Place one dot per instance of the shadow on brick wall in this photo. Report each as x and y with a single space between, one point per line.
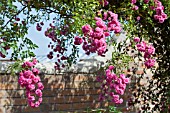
66 92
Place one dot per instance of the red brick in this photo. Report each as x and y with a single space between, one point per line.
80 92
64 92
87 98
106 104
8 78
11 93
13 109
45 100
61 107
57 99
95 104
29 109
94 91
81 105
46 108
57 85
49 92
73 99
19 101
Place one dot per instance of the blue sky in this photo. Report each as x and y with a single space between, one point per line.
39 38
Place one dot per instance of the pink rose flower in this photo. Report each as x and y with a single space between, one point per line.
119 102
106 2
21 74
29 64
35 71
141 47
118 80
78 40
146 1
38 92
135 7
31 104
136 39
108 72
40 86
86 29
105 15
27 73
36 79
31 86
126 80
37 104
34 61
40 100
164 16
150 49
161 20
133 1
150 63
101 24
122 76
28 93
122 86
106 34
111 67
31 98
138 18
111 94
147 55
98 19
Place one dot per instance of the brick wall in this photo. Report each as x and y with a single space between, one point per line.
66 92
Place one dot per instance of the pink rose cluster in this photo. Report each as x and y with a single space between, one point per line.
148 50
56 47
78 40
135 7
113 86
160 15
94 39
159 8
29 79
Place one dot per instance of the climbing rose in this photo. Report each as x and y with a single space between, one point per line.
113 82
29 79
